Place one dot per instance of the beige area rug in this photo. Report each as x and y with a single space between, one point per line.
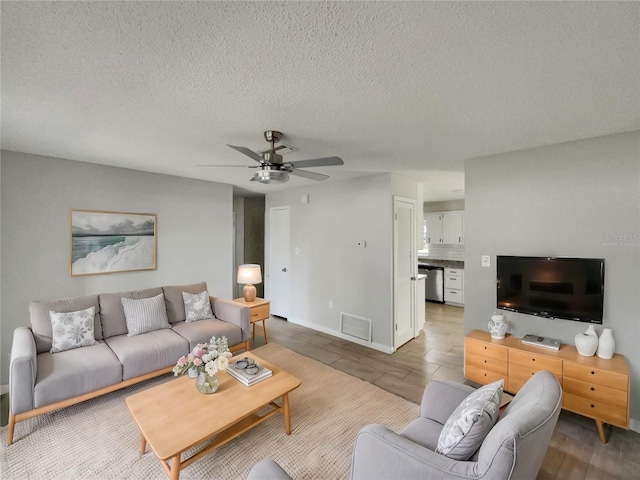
98 438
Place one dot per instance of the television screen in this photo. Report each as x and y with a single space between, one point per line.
568 288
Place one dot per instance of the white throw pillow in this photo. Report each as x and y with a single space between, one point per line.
196 306
465 429
145 314
72 329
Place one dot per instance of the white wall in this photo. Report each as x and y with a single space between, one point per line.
194 231
577 199
329 265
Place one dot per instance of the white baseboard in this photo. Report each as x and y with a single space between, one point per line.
4 388
336 333
634 425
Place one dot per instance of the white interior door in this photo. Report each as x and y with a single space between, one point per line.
279 261
404 269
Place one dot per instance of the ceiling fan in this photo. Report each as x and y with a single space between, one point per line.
272 169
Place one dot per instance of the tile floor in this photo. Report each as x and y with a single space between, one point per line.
575 451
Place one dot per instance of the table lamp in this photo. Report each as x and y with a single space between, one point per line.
249 274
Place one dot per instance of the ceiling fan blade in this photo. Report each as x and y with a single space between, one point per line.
310 175
225 166
318 162
249 153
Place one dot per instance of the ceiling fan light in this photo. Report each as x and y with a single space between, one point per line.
270 176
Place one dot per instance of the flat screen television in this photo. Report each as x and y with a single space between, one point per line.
552 287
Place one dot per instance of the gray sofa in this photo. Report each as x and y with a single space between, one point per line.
40 381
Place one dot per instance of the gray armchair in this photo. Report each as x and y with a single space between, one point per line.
513 449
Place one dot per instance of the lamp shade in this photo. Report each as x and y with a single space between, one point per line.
249 274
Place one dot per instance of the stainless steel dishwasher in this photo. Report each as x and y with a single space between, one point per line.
434 284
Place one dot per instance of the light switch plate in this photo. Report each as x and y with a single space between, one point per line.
486 260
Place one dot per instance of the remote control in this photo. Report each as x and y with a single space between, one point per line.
545 342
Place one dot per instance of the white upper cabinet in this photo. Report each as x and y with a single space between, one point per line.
453 228
434 228
445 228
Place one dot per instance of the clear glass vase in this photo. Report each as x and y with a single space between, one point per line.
206 383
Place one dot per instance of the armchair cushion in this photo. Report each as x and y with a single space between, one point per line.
470 422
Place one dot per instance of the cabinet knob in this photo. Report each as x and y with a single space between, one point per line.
593 389
593 406
592 372
533 359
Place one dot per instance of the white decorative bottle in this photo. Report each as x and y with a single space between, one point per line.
606 344
498 326
587 342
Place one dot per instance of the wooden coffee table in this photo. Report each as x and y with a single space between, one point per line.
174 416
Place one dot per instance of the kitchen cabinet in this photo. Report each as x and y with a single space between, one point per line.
434 227
453 228
592 387
445 228
454 286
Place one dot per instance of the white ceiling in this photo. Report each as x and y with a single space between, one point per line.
411 87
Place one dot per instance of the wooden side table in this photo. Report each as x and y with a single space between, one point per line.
259 311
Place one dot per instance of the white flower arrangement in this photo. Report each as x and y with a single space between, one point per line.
205 357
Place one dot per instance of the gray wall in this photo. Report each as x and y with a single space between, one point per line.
578 199
194 231
329 265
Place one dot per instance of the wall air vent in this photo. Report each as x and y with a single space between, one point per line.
355 326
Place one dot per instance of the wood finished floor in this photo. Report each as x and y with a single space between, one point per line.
575 451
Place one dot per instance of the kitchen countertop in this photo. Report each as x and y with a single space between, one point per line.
433 262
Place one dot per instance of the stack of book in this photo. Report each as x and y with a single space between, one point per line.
243 377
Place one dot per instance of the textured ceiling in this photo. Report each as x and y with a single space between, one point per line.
388 86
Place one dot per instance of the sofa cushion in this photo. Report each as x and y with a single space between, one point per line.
202 331
145 314
112 311
175 302
148 352
75 372
41 320
72 329
197 306
470 422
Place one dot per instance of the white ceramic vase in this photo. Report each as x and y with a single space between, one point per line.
606 344
587 342
498 326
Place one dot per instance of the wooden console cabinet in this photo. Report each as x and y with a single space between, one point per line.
592 386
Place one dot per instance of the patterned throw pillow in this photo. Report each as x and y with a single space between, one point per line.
145 314
72 329
196 306
465 429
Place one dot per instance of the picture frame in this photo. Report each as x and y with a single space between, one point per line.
103 241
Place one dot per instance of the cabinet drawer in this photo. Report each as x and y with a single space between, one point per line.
536 362
486 349
454 271
595 375
452 281
526 372
592 391
595 409
481 376
453 296
486 363
259 313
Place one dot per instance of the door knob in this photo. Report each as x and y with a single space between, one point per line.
413 278
284 269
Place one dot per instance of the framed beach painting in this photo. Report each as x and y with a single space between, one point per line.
109 242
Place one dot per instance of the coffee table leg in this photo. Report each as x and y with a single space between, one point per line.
286 413
143 444
175 468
